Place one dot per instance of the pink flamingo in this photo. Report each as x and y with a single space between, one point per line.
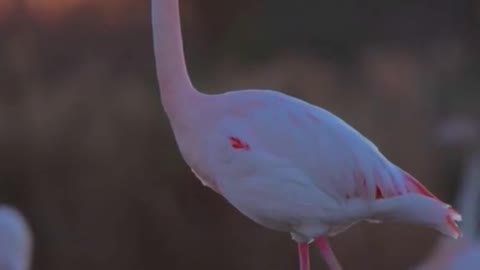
284 163
16 240
460 132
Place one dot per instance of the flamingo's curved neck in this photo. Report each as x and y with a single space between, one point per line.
175 85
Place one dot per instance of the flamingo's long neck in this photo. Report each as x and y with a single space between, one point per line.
176 88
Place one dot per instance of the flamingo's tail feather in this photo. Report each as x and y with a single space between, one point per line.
419 209
413 185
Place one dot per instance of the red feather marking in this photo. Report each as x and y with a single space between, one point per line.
239 144
453 226
414 186
378 194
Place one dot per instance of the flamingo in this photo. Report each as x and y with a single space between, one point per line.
15 240
460 133
284 163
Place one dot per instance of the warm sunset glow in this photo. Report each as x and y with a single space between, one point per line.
55 10
51 9
6 8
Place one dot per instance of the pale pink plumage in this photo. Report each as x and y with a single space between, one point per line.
16 240
284 163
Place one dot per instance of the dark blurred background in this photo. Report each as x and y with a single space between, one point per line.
87 154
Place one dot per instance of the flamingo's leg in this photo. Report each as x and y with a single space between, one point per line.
324 247
304 256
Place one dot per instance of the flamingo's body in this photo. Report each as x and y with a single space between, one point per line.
284 163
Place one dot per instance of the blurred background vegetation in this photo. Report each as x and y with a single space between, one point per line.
87 154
